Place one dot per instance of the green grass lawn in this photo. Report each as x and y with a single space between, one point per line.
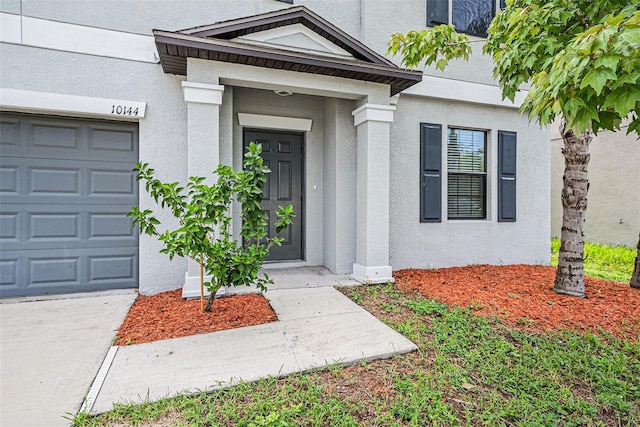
468 371
603 261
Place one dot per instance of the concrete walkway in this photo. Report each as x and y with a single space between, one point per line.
56 354
50 352
317 327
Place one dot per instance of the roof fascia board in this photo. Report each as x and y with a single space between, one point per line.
275 54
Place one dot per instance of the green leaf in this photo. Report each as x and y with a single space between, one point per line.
623 99
608 61
597 78
631 38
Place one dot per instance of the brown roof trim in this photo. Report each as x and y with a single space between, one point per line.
298 14
174 49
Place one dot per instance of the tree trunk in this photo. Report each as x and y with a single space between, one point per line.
570 273
635 277
210 300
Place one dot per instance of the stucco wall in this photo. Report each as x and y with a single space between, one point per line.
613 209
141 16
461 242
370 21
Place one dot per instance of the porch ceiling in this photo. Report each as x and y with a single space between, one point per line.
213 43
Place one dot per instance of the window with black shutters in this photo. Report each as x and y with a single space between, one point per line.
467 16
466 174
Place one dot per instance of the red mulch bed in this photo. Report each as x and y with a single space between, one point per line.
168 315
521 295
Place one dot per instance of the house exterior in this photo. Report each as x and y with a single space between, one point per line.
613 212
387 168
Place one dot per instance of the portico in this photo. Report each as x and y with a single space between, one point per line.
340 100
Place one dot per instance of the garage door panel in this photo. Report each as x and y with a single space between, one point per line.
9 274
54 226
115 268
9 181
8 227
112 182
54 181
39 181
9 136
31 226
66 187
74 270
48 271
48 138
111 226
59 138
118 144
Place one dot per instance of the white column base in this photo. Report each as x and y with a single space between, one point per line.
191 288
372 274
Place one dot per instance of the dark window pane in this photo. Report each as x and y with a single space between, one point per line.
437 12
466 150
466 196
473 16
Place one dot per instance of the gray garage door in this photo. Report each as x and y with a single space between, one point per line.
66 187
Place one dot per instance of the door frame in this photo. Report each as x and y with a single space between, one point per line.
302 214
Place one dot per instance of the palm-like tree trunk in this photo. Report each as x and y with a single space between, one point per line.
570 273
635 277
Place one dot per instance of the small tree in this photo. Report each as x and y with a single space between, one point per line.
203 212
582 59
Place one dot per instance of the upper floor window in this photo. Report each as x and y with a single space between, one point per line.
467 16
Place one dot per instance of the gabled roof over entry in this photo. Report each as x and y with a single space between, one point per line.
293 39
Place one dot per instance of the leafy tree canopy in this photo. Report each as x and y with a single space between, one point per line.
581 57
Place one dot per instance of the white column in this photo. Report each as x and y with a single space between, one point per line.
203 142
372 122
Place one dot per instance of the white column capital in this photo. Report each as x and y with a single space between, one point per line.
202 93
373 112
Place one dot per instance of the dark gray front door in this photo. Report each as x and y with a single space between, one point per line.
65 189
283 154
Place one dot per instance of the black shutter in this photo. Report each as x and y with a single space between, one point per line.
506 176
430 172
